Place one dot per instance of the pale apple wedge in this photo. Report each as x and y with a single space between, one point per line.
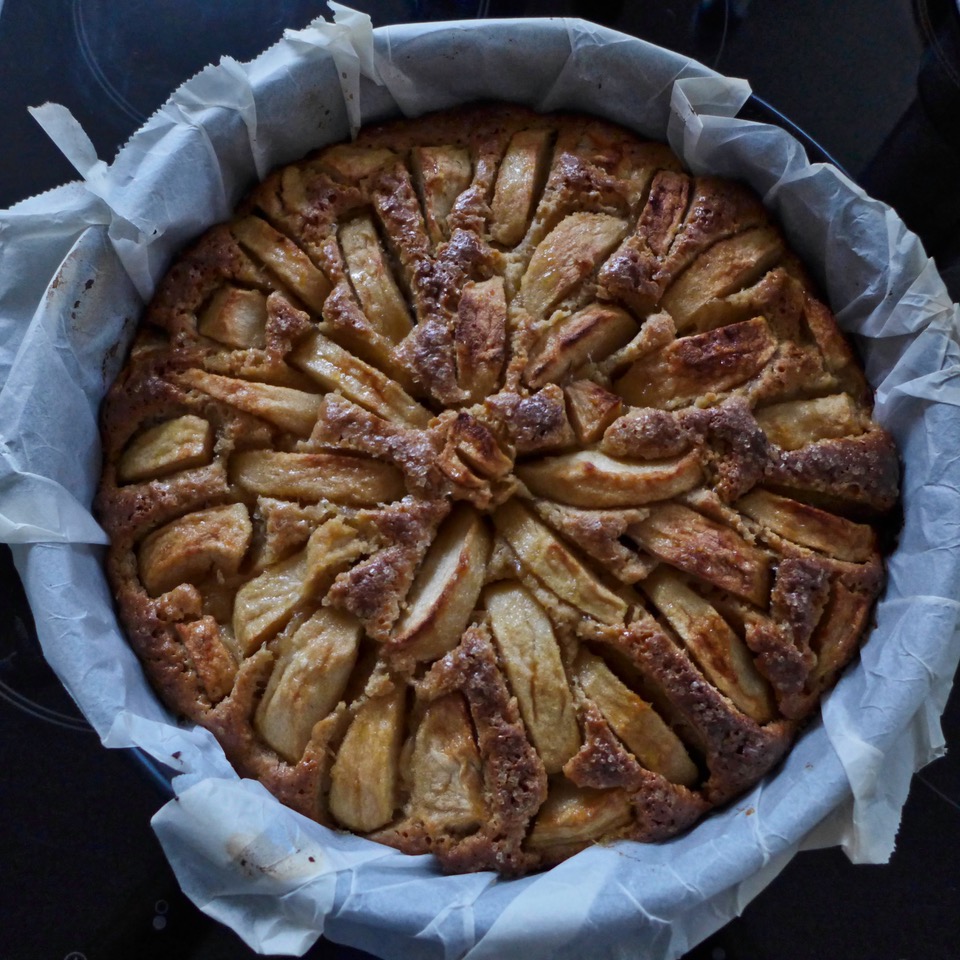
292 410
441 173
591 409
589 478
531 658
589 334
350 162
578 815
724 268
715 647
194 547
690 367
313 665
480 337
337 369
522 173
236 317
810 526
446 587
553 563
372 279
355 481
566 257
365 775
795 423
264 605
445 775
634 721
168 447
706 549
285 259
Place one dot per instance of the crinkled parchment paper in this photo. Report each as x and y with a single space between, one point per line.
75 267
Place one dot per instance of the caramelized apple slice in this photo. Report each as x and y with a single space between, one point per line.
166 448
480 337
566 257
710 362
446 587
264 604
338 369
236 317
591 409
372 279
706 549
726 267
796 423
521 175
578 815
634 721
350 162
282 256
811 527
195 546
446 781
591 333
364 777
552 562
311 672
442 174
292 410
531 658
712 643
352 480
590 478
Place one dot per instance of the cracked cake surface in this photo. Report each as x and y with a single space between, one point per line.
491 487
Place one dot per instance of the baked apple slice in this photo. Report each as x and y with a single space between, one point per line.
594 331
285 259
706 549
795 423
521 176
285 407
531 658
372 279
590 478
312 667
166 448
553 563
265 604
441 173
355 481
236 317
574 815
642 730
726 267
711 641
365 775
446 587
566 257
811 527
445 775
337 369
194 547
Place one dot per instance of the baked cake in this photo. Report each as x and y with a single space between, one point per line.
491 487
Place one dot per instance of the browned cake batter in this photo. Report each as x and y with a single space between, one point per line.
491 487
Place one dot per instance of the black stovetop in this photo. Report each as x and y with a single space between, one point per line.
84 876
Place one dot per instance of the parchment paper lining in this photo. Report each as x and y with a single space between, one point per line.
75 267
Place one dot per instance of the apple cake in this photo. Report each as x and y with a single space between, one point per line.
491 487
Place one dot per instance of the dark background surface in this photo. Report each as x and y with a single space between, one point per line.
83 876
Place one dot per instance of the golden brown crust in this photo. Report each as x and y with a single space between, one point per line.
491 487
